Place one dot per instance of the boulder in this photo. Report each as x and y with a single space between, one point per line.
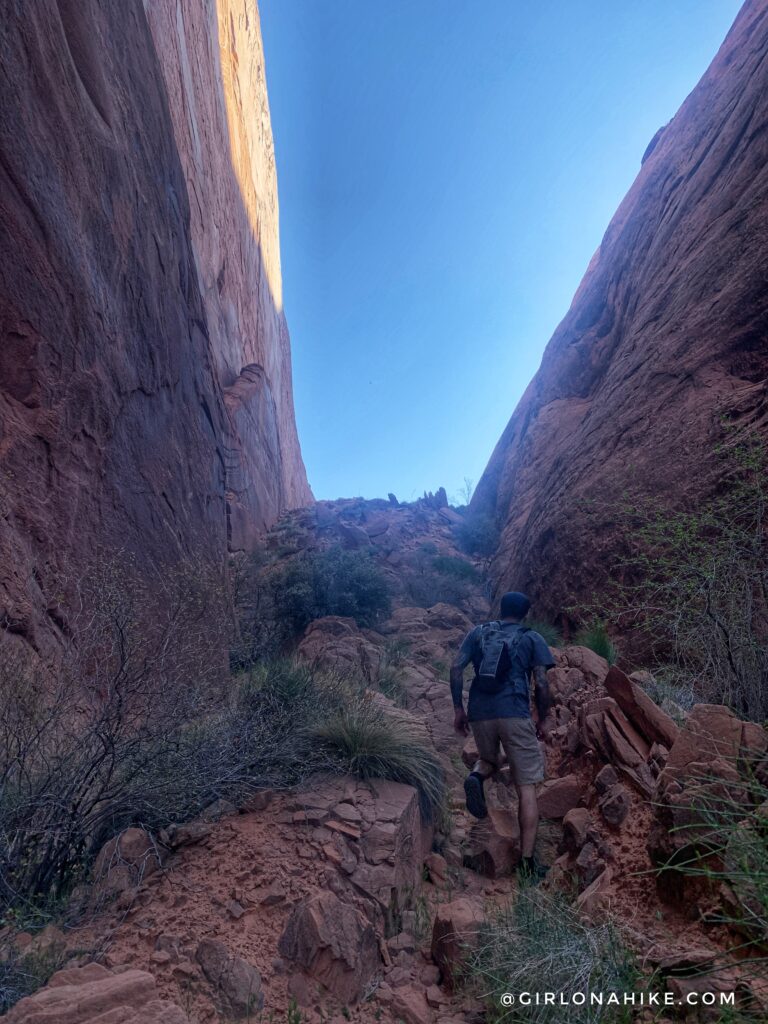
558 796
589 862
94 994
681 961
655 725
236 984
352 536
614 805
576 824
448 617
605 778
437 868
455 930
691 796
690 990
594 901
334 943
564 682
450 515
493 844
334 643
592 667
711 731
625 745
754 745
124 862
377 526
410 1005
394 847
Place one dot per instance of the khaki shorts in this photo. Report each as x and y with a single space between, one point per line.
517 736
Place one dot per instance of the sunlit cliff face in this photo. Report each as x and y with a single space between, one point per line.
252 148
212 60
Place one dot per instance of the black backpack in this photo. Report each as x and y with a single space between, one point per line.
497 648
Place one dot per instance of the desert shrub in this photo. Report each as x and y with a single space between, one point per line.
258 635
540 944
370 742
478 534
725 840
330 582
430 578
450 565
82 744
551 634
389 677
137 723
668 687
23 974
77 772
595 637
693 588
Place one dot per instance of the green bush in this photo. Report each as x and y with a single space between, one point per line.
540 944
331 582
550 634
595 637
478 534
368 741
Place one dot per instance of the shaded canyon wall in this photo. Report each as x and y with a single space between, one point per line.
666 338
145 379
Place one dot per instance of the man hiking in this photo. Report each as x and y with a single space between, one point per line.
504 654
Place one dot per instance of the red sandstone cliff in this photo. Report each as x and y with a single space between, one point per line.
667 333
145 379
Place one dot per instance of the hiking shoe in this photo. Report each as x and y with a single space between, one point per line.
473 789
530 872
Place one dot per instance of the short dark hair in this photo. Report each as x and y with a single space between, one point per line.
514 605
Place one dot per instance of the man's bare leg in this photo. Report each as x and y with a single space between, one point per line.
528 817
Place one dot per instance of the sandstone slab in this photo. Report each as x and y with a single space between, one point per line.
93 994
334 943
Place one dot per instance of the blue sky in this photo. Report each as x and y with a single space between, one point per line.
446 169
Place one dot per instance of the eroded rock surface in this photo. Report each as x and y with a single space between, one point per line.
665 337
93 993
145 387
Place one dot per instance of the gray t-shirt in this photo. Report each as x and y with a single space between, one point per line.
514 699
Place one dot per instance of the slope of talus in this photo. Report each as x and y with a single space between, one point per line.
340 900
664 342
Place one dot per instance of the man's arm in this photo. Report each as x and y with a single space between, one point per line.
542 700
462 659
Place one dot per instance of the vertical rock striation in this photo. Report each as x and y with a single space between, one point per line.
145 380
212 59
666 336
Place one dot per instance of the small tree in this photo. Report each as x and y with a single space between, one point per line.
694 587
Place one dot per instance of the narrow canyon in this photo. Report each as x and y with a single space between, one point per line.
264 815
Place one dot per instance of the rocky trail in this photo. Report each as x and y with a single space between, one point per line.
337 901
